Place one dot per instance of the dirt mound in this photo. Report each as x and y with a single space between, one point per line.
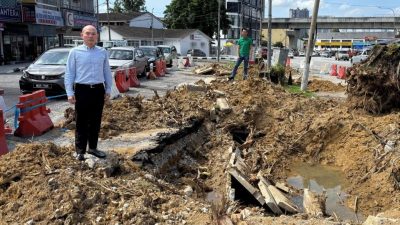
271 127
324 86
374 85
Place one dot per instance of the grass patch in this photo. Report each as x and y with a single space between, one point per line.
295 89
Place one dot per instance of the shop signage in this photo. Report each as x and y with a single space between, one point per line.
10 14
48 17
28 13
69 19
81 20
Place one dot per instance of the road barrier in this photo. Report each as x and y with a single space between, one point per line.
3 142
159 68
34 117
133 80
333 71
288 63
342 72
122 80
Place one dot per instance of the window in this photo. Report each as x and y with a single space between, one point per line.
233 7
133 43
193 44
158 42
145 42
202 44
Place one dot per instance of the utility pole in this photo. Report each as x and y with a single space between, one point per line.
151 27
310 46
261 20
269 53
108 20
98 24
219 29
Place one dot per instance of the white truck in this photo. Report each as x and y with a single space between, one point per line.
362 57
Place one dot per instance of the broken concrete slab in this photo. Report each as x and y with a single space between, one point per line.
269 199
191 87
280 198
282 186
209 80
246 184
313 205
222 105
204 70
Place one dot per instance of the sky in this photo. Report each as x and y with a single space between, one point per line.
280 8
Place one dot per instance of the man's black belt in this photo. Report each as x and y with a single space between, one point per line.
99 85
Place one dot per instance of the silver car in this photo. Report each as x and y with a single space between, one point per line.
169 53
127 57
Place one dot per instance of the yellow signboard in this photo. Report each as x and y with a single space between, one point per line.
334 43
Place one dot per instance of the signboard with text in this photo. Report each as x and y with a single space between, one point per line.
10 14
48 17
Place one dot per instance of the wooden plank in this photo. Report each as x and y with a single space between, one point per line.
269 199
252 190
204 70
312 204
280 198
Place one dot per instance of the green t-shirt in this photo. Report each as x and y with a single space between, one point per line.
245 44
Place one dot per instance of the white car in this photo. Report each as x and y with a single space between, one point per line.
362 57
169 53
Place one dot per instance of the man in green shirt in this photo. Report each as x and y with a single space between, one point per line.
244 49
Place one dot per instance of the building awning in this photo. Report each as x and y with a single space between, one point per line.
36 30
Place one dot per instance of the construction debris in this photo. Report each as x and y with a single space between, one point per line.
313 204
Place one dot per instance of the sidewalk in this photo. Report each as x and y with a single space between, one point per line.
13 67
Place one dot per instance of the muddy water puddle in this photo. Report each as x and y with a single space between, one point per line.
323 180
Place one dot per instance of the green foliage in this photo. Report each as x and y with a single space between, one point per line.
196 14
295 89
127 6
278 70
264 43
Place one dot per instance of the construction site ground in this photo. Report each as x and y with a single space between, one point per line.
169 152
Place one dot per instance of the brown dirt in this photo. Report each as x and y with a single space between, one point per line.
286 128
325 86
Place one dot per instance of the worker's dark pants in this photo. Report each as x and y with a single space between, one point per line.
88 111
245 60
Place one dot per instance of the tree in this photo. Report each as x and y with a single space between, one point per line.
126 6
197 14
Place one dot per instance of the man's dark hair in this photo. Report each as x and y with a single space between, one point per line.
244 29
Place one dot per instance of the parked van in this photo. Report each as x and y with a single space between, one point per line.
362 57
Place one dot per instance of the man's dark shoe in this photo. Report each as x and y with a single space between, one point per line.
80 157
97 153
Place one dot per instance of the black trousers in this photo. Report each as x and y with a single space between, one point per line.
88 111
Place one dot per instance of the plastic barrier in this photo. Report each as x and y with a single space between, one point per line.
288 63
133 80
159 71
114 90
165 65
324 70
3 142
33 119
334 70
122 80
342 72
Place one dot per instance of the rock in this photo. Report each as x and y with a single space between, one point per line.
150 177
375 220
30 222
389 146
90 162
188 191
219 93
99 219
204 210
245 213
209 80
222 105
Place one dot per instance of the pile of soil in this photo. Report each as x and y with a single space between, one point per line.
325 86
44 183
374 85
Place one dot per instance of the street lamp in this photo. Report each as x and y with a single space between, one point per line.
394 18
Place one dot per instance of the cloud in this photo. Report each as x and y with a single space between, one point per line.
344 7
294 3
